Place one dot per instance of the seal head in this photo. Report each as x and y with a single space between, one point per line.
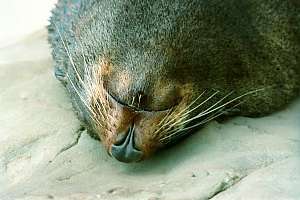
144 75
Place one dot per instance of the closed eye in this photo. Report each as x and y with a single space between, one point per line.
135 108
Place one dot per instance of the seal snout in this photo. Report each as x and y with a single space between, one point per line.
124 150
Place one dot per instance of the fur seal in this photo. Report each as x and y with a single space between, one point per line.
143 74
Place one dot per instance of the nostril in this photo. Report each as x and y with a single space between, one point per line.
125 137
125 151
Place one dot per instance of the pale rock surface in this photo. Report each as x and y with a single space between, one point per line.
45 154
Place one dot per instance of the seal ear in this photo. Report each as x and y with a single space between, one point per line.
60 74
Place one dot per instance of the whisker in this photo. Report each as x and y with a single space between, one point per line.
181 112
90 87
177 119
96 85
217 114
162 121
203 102
182 115
206 120
213 116
87 76
99 109
69 55
228 102
84 101
200 114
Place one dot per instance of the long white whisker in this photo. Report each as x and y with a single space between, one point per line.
223 105
88 87
208 109
184 114
198 124
201 102
212 117
162 121
91 78
69 55
83 101
215 115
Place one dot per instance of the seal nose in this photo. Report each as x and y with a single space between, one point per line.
125 151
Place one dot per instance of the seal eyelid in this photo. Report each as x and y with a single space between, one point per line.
124 104
135 108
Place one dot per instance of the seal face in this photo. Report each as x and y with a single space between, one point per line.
144 75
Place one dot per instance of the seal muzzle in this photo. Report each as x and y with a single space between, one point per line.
126 151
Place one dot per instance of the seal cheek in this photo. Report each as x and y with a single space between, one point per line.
148 133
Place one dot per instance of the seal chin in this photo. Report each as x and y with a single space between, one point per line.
125 151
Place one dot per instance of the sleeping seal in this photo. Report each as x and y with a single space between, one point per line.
143 74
